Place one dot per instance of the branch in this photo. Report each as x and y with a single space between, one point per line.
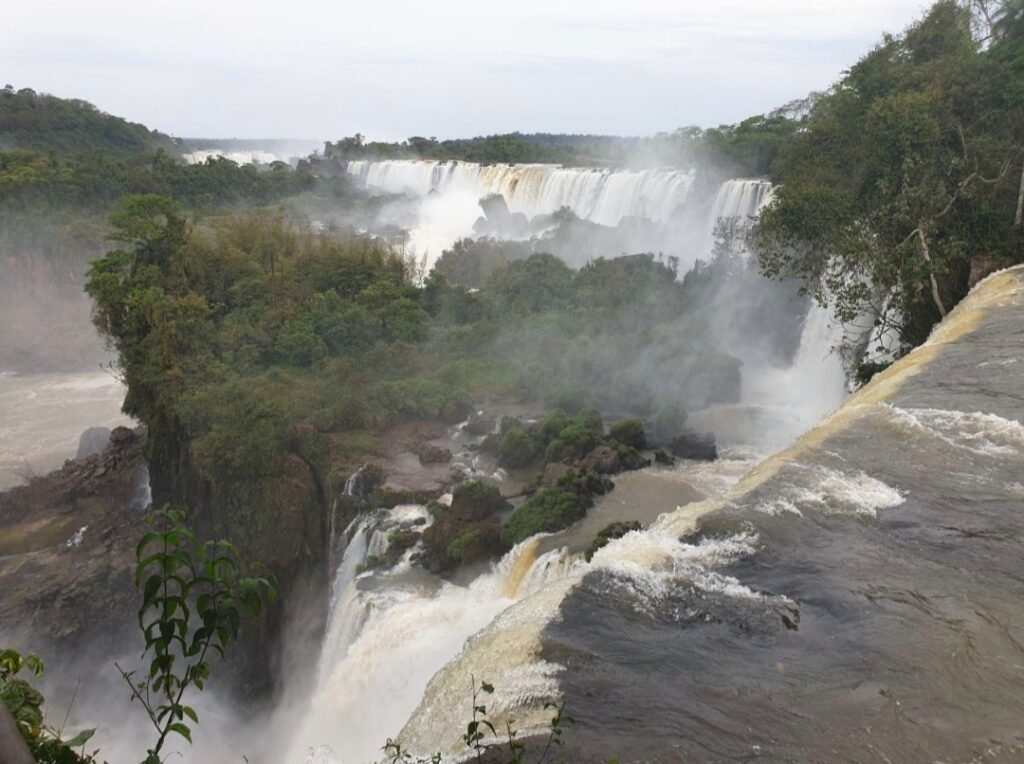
135 694
931 272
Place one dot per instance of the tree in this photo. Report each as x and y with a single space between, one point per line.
903 172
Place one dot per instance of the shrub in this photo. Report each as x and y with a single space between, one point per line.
591 419
477 499
517 448
556 451
629 432
611 531
456 548
548 511
553 424
578 438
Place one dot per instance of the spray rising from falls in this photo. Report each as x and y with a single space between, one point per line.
599 195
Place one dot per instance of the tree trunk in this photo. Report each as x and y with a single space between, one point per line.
931 272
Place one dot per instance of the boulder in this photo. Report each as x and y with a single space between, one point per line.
552 472
480 423
694 445
604 460
93 441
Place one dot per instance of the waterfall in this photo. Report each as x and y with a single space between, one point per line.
740 198
598 195
391 632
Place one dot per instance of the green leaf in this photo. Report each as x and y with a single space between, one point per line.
181 729
81 738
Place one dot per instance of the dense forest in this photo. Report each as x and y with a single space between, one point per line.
907 176
43 122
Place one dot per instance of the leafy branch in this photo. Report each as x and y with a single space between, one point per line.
193 599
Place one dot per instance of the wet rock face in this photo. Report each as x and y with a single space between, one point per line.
694 445
67 549
480 423
92 441
466 532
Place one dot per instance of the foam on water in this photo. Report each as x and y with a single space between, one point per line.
980 433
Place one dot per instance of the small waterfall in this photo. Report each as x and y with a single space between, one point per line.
740 198
390 633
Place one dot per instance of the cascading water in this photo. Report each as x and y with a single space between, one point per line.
740 198
599 195
392 631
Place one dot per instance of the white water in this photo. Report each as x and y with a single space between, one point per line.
740 198
601 196
43 415
389 633
238 157
450 192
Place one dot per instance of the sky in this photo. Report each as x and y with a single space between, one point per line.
322 69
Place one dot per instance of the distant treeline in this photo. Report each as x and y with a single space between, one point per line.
35 180
746 149
46 123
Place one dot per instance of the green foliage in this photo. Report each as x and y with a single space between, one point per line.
456 548
517 448
194 597
552 425
94 181
903 171
608 533
475 499
25 705
578 438
629 432
472 262
42 122
551 510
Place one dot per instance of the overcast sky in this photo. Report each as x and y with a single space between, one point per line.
449 68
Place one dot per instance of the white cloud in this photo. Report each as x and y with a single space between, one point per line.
313 68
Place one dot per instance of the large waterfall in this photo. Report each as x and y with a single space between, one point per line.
599 195
402 638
